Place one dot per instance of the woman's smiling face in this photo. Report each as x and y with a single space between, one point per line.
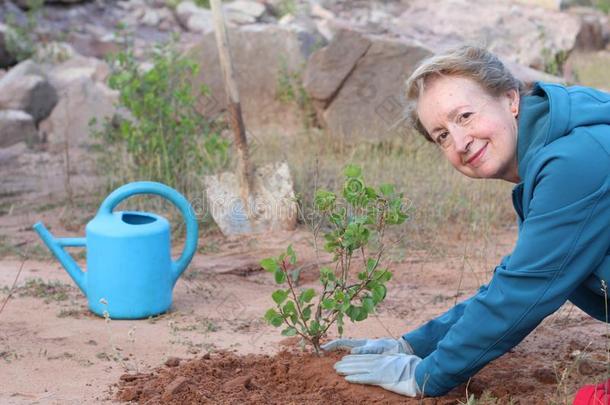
476 131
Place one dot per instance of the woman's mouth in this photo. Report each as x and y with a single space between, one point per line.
474 158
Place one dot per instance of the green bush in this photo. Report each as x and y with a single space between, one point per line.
162 137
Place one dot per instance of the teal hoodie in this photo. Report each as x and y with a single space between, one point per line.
563 247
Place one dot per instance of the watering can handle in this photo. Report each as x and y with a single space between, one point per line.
150 187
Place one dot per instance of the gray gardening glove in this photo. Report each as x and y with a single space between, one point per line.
370 346
393 372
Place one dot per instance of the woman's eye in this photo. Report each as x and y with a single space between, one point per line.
442 138
465 116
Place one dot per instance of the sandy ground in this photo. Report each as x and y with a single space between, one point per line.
53 350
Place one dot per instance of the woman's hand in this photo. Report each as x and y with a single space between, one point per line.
370 346
393 372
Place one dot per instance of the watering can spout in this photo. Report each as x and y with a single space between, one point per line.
56 246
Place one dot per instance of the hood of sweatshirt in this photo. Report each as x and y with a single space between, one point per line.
552 111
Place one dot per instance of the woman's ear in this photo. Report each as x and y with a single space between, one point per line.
513 100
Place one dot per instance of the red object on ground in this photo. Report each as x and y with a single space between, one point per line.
593 394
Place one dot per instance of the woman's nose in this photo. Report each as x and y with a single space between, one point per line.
461 140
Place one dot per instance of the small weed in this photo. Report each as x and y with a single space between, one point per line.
285 7
21 39
554 62
289 90
209 247
487 398
70 313
9 355
50 291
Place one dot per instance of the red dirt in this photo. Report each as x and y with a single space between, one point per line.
296 378
227 378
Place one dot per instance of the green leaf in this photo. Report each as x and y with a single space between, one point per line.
356 313
279 296
368 304
326 274
307 313
370 264
328 303
307 295
269 264
362 276
272 317
280 276
289 331
386 189
383 276
290 308
340 324
291 254
270 314
324 200
352 171
339 296
314 328
379 292
295 274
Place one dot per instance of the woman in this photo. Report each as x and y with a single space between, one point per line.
553 142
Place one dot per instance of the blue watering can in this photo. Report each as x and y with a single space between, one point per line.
130 273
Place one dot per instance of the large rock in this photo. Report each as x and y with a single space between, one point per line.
65 73
16 126
328 68
82 100
194 18
243 11
266 59
595 29
26 88
532 36
361 98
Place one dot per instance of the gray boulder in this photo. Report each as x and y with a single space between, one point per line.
531 36
328 68
82 100
194 18
243 11
26 88
362 97
595 29
267 61
16 126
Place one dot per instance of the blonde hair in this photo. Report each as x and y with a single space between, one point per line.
467 61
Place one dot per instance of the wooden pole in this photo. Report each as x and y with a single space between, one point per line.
233 105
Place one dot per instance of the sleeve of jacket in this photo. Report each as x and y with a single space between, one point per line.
564 236
424 339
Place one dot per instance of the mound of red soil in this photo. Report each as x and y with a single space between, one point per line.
297 378
227 378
